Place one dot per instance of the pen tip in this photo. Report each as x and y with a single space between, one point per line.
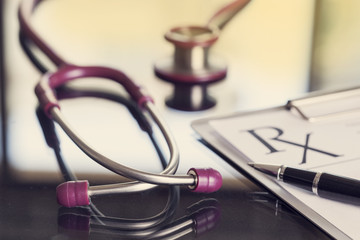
266 168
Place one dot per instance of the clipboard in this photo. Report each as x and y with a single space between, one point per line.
319 132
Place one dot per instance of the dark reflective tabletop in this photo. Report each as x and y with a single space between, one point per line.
31 212
265 69
240 209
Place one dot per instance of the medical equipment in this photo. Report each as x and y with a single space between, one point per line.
192 68
75 193
201 217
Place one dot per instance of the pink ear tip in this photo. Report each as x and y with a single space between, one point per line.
73 194
207 180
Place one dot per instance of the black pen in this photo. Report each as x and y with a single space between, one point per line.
322 184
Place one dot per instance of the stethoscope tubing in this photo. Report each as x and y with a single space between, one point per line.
94 216
69 72
131 173
200 180
52 108
24 14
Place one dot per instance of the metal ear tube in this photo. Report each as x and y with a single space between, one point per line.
78 193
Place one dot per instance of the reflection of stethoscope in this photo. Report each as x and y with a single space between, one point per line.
203 216
201 219
75 193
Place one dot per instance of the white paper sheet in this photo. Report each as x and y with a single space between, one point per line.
281 137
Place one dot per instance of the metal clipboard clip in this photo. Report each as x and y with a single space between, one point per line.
327 105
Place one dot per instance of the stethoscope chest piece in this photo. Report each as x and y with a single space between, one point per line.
191 69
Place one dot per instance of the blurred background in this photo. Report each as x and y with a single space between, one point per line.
336 50
275 51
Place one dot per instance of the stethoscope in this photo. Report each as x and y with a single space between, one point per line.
77 193
192 68
199 219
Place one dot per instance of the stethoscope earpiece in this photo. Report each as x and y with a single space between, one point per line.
73 193
207 180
